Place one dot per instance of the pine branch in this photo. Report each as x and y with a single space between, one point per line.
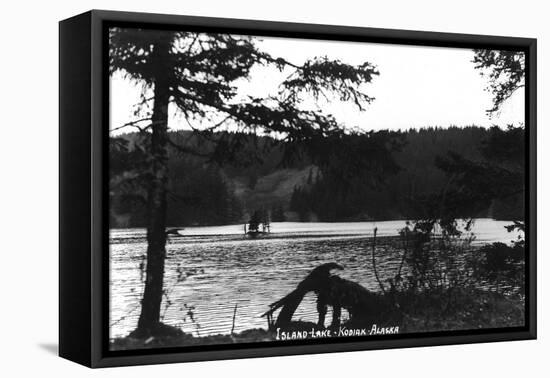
134 124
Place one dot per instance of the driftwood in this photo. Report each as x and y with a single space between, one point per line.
331 290
291 301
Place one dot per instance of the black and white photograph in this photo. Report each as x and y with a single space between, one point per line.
275 190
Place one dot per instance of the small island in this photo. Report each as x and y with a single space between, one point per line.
258 225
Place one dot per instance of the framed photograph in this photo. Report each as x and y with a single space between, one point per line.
233 188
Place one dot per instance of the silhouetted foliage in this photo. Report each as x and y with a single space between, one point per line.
505 70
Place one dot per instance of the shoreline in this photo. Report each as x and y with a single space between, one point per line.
472 309
485 230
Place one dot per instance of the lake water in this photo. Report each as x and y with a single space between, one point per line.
229 269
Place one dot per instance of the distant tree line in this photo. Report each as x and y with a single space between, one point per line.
198 193
473 162
201 192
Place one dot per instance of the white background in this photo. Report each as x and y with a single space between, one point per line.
29 189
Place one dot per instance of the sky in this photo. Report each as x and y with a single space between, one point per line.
417 86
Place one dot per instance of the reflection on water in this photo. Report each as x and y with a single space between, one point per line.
230 269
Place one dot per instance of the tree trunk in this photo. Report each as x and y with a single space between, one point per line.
149 320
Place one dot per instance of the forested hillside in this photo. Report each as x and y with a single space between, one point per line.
202 192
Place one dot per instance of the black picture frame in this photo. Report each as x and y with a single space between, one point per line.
83 250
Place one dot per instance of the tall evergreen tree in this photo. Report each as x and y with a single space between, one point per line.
196 74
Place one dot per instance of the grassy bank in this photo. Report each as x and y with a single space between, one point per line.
461 309
457 309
